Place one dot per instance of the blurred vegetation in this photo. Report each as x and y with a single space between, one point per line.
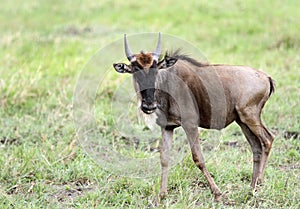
44 45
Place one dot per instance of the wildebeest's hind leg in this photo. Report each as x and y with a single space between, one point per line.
167 135
256 150
251 118
266 142
192 135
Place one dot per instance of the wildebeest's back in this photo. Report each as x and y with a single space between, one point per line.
219 89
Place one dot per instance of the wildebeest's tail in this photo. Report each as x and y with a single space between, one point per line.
272 86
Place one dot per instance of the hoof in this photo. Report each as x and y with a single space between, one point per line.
259 182
159 198
163 195
218 197
256 188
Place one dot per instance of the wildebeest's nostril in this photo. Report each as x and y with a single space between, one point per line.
148 108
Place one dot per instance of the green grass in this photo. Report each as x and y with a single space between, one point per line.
44 45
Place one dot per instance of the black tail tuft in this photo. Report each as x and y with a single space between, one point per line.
272 86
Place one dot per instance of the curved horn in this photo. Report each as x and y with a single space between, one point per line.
157 52
128 52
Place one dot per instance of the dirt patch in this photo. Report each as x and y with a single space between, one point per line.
67 193
285 42
8 141
76 31
198 183
233 144
287 134
289 167
291 134
71 191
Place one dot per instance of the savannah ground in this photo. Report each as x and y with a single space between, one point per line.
44 45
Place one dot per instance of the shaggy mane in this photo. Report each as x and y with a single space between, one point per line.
180 56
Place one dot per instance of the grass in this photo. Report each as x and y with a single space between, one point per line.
45 45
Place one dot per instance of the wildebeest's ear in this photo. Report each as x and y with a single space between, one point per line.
122 68
167 62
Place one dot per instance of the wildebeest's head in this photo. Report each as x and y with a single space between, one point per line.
144 67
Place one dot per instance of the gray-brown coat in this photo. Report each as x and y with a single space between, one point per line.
181 91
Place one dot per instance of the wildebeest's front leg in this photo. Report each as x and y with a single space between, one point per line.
167 135
192 135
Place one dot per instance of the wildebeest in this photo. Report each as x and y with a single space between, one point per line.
181 91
